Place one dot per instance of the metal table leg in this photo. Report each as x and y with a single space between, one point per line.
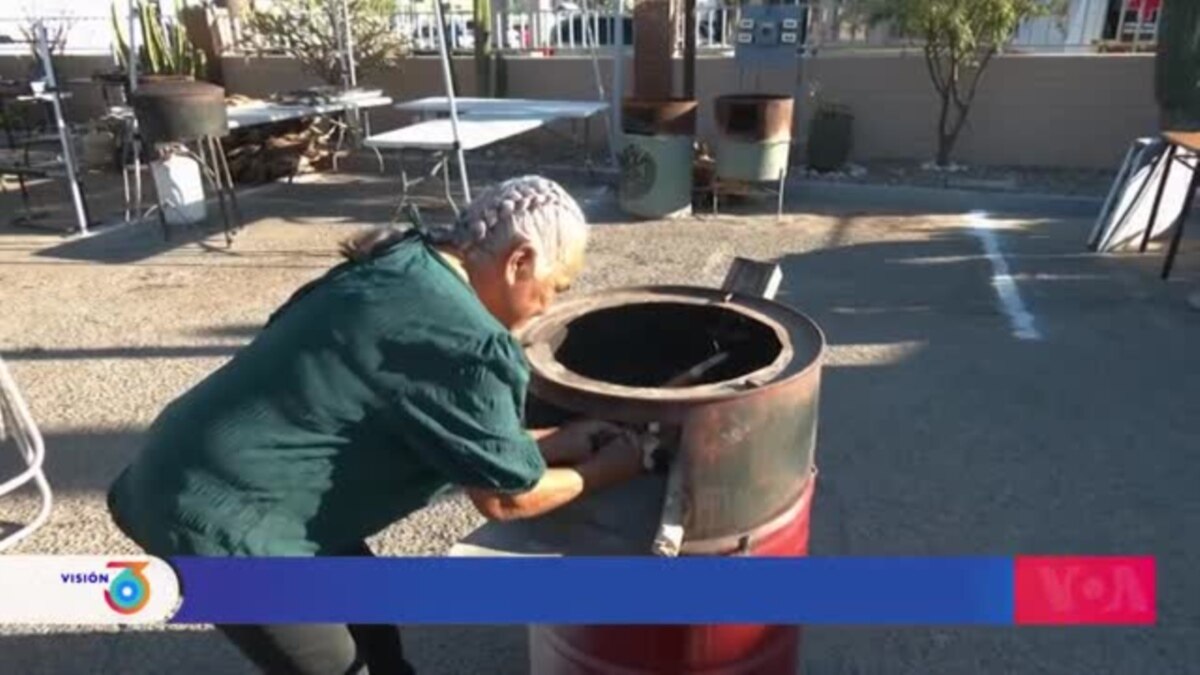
340 122
446 185
782 184
223 170
1158 195
1177 237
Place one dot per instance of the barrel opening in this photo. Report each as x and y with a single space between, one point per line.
649 344
744 117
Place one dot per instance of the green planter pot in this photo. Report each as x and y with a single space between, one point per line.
830 138
1177 67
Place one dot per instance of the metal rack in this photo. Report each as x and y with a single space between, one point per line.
48 92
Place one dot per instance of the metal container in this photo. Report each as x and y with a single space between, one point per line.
671 117
754 136
830 138
743 431
730 649
748 428
656 176
178 111
656 157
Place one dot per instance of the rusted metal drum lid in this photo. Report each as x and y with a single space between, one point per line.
668 117
755 117
557 344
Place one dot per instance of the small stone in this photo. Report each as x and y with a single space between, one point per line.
949 168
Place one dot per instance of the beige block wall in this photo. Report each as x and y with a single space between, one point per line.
1057 110
1054 110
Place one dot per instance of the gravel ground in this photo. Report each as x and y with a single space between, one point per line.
941 433
913 173
1008 179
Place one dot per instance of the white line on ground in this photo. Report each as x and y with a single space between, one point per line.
1009 295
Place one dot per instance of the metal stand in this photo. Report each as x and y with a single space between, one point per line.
1189 142
441 164
214 167
715 187
51 94
451 95
16 422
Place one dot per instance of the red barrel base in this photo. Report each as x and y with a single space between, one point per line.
665 650
725 649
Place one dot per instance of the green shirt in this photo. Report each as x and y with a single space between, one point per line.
373 390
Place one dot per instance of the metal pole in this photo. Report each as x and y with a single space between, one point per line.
689 49
618 78
351 67
590 35
448 77
64 135
131 58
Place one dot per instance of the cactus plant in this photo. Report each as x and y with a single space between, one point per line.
164 47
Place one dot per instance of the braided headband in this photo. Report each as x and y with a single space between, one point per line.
505 204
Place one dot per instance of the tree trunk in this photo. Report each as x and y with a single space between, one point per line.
945 140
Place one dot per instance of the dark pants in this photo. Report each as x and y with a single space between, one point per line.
323 649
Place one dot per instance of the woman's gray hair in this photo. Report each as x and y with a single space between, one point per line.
528 209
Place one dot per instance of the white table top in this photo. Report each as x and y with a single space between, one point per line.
507 107
268 113
254 114
474 132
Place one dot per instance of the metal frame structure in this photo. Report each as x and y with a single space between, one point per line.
16 422
780 42
219 172
51 94
452 94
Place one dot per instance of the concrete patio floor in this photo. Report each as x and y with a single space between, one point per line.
942 433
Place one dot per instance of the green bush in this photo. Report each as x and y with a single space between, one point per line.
307 31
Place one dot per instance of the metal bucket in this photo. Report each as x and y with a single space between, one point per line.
754 136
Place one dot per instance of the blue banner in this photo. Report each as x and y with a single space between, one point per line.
814 590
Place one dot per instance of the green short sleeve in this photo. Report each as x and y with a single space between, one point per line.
466 423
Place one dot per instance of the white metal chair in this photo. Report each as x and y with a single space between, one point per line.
17 423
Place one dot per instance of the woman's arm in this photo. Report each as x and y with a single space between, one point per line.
614 463
575 442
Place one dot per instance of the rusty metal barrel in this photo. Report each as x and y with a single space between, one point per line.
180 110
746 432
754 136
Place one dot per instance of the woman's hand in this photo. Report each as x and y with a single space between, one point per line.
619 459
576 442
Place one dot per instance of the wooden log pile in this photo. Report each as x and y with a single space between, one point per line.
264 153
704 169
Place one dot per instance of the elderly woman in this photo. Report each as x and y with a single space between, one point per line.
374 389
